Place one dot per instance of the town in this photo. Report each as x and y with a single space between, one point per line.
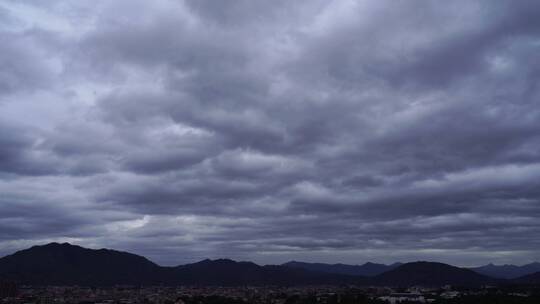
12 294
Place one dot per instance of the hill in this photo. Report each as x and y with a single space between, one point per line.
59 264
367 269
228 272
507 271
533 278
430 274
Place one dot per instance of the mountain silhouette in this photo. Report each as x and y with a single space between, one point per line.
368 269
507 271
65 264
431 274
228 272
533 278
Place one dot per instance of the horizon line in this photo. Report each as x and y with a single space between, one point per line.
270 264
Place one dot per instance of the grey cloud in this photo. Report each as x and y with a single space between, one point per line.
18 155
23 67
339 131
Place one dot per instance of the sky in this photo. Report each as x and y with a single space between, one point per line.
269 131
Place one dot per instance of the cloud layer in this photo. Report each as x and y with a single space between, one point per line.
341 131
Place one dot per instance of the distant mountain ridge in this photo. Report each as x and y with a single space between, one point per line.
507 271
431 274
66 264
533 278
228 272
368 269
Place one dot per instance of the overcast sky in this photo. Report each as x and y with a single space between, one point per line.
331 131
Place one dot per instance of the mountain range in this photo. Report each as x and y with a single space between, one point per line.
432 274
507 271
368 269
66 264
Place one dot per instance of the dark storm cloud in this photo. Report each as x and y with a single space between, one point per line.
341 131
